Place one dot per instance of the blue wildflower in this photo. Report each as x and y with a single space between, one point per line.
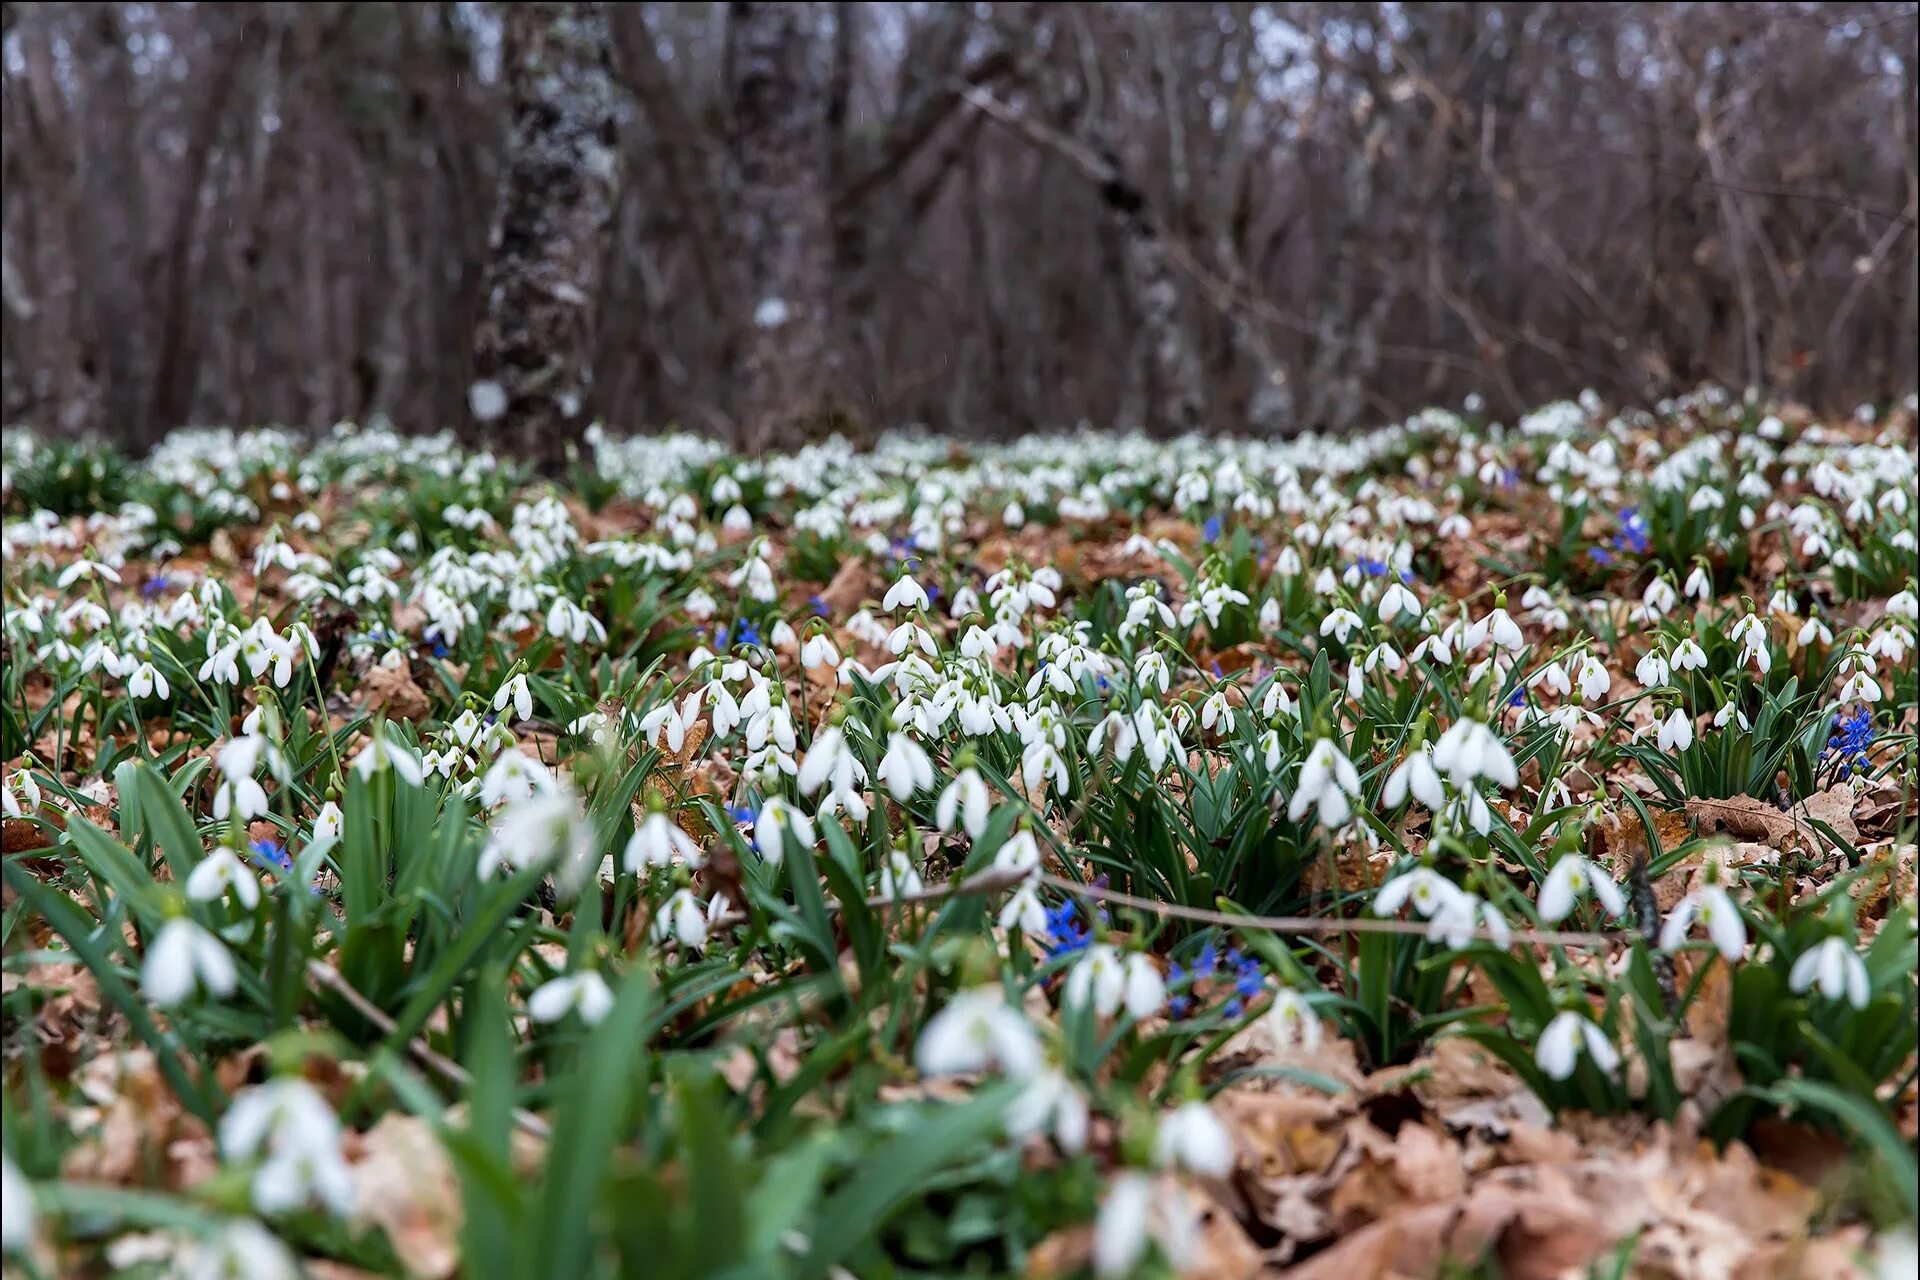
271 855
1852 737
155 585
742 814
819 605
1211 529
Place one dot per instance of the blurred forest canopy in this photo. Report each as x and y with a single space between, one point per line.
766 220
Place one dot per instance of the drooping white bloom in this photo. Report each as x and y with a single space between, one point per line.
181 955
682 917
518 693
975 1031
1292 1021
1417 777
906 768
1139 1209
550 829
584 993
328 822
659 842
289 1126
899 878
1025 912
1838 970
1050 1103
1712 906
1675 733
1106 980
219 872
1571 879
904 594
382 753
1193 1138
146 682
967 799
1329 782
1558 1049
1425 888
1469 751
775 820
16 1208
242 1247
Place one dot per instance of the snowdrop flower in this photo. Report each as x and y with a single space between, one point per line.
965 799
1414 776
1594 680
513 776
1652 670
819 651
1456 919
381 753
906 768
1020 852
1425 888
1340 624
84 568
1860 687
1050 1103
1292 1021
899 878
1469 751
584 993
180 955
549 828
568 621
1699 585
1675 733
1193 1138
1139 1209
1712 906
1838 970
659 842
328 822
1101 976
1025 912
975 1031
287 1123
517 692
242 1247
1570 880
770 827
16 1208
904 594
1327 780
1689 656
1396 600
1560 1045
146 682
682 917
218 872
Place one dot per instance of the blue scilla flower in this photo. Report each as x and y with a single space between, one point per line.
742 814
155 585
271 855
1852 736
1211 529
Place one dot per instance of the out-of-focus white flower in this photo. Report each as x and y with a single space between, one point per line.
382 753
240 1248
1109 981
16 1208
975 1031
584 993
659 842
1193 1138
1140 1209
1050 1103
967 799
220 871
1329 783
181 955
1469 751
1560 1044
289 1126
1571 879
906 768
1713 907
682 918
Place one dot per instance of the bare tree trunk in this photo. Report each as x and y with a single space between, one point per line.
789 368
558 192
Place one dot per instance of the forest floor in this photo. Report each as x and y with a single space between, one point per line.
1453 849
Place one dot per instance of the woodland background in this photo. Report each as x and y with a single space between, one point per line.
770 220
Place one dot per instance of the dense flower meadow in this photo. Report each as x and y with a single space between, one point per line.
1457 848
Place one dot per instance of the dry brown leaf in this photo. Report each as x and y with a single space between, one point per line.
392 690
404 1184
850 586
